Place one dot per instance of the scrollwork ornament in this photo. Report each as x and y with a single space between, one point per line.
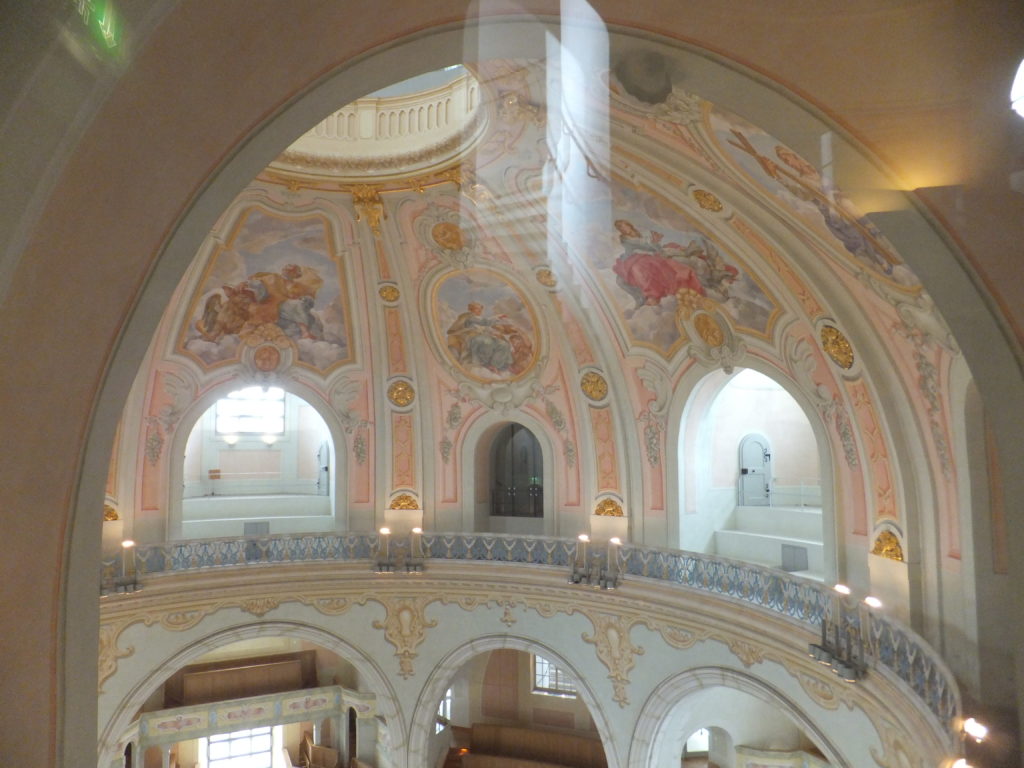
615 650
748 653
405 628
260 606
404 501
608 508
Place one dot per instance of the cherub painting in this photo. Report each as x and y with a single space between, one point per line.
275 281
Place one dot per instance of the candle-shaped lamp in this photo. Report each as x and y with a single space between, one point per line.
127 552
583 548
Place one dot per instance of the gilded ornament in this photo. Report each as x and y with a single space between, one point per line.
689 301
401 393
109 513
389 293
707 200
266 358
608 508
888 545
615 650
260 606
837 346
748 653
594 386
709 330
405 501
448 235
255 336
405 628
369 205
546 278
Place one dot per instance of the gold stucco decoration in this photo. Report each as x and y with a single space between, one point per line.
608 508
689 301
266 358
615 650
405 627
709 330
109 513
369 206
546 278
401 393
748 653
260 606
888 545
707 200
837 346
448 235
389 293
594 386
405 501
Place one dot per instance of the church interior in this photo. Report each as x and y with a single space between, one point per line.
498 384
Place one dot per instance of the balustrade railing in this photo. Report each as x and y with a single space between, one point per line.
879 639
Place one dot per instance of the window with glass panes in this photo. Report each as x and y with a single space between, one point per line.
550 680
253 410
251 748
444 712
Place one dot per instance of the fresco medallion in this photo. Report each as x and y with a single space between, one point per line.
485 326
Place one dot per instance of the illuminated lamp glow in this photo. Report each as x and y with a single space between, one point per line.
230 439
842 589
269 439
975 730
583 537
417 529
961 763
385 531
615 540
874 602
1017 91
128 544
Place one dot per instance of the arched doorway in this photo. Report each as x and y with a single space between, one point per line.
517 474
258 461
750 475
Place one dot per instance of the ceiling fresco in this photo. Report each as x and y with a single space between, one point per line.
497 276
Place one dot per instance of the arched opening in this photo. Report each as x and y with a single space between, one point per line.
258 461
517 474
746 722
750 475
304 683
507 484
508 704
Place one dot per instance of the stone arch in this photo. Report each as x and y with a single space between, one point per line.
174 457
976 326
475 457
681 411
665 720
110 744
438 680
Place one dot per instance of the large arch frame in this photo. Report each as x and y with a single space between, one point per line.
439 679
174 466
664 722
111 741
991 352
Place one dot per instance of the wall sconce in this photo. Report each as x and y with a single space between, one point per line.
842 638
384 562
414 562
128 581
961 763
581 564
610 574
269 440
230 440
